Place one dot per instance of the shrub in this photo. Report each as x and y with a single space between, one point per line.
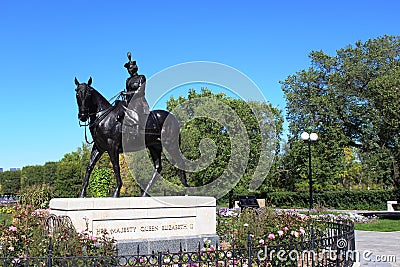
361 200
37 196
100 182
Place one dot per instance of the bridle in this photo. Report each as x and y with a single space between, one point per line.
86 114
98 118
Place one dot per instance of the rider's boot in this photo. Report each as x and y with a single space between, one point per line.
132 135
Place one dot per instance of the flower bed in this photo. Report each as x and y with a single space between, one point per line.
272 227
253 237
32 234
288 238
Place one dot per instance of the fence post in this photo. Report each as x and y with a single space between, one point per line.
26 261
312 243
160 261
353 239
249 248
50 254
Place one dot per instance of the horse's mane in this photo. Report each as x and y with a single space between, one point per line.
101 98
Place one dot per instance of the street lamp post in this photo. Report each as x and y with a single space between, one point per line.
309 138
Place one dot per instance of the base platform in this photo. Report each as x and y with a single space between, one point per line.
144 223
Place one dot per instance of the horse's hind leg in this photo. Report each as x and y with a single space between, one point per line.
155 153
172 146
94 157
182 177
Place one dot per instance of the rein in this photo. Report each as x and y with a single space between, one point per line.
96 121
85 125
113 99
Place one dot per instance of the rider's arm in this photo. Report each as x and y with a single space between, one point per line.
126 91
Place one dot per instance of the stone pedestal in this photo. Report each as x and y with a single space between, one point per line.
144 224
391 205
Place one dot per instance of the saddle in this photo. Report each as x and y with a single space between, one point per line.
132 122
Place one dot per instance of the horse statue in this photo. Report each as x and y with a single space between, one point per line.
106 130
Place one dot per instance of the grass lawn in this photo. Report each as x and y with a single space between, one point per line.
381 225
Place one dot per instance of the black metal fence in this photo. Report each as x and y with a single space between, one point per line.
335 246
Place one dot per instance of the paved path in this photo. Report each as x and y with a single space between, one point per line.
380 249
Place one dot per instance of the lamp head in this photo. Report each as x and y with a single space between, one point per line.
313 137
304 136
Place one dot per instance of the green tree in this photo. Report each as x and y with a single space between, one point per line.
351 100
70 172
10 182
49 173
68 179
38 174
31 175
213 139
351 174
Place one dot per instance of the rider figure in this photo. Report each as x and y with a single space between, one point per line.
138 108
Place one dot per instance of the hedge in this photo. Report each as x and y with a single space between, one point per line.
351 200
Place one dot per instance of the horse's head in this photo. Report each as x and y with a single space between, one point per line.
84 98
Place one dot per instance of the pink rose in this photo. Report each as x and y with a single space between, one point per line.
271 236
92 238
261 241
285 228
295 233
12 228
280 233
302 231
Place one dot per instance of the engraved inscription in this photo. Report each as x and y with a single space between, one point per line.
149 228
171 227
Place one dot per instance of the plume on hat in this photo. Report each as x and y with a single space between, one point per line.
130 62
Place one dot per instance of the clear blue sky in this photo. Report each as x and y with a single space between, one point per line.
45 44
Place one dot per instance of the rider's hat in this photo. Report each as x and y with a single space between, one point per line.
130 62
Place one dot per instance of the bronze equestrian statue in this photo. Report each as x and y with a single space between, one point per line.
109 125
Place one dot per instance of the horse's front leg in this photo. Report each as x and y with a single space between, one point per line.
114 157
94 157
